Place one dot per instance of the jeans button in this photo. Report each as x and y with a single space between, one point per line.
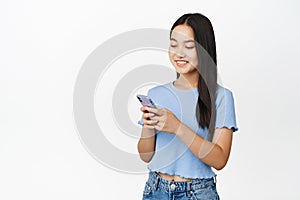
173 186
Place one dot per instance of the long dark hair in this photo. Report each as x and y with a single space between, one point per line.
207 67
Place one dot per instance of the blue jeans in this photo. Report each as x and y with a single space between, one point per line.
158 188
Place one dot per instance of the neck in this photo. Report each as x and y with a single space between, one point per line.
189 80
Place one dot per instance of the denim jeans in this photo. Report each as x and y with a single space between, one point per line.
158 188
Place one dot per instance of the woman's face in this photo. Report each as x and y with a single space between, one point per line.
182 49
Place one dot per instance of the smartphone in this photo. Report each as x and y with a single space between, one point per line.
145 100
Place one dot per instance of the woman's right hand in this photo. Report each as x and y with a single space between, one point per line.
146 117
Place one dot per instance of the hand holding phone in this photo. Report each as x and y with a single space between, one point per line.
146 101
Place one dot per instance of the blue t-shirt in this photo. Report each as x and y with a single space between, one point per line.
172 156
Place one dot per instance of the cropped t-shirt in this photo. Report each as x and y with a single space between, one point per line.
171 155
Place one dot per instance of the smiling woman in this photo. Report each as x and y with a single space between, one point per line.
182 50
192 130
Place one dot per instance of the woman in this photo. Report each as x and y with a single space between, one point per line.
191 129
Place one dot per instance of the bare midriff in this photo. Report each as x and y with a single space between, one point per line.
173 177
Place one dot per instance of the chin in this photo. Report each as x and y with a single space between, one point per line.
186 70
182 71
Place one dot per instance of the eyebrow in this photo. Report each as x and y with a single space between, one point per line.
186 41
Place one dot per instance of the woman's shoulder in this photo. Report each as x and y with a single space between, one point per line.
160 88
223 94
222 90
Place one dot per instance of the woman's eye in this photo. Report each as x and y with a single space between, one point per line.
188 47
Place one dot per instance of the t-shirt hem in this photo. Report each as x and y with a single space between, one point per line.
183 176
229 127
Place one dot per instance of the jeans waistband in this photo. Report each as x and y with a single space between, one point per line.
158 181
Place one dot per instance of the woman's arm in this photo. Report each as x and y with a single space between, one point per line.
215 153
146 144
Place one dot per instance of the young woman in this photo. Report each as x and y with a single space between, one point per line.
191 129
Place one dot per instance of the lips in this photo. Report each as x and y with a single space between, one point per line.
181 63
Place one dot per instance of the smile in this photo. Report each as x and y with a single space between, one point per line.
181 63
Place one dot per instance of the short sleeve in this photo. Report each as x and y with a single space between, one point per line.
225 110
140 122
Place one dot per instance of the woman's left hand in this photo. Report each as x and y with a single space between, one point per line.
166 120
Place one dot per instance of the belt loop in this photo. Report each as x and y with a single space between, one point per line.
156 181
215 179
188 188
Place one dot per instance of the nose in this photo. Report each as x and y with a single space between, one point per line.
179 53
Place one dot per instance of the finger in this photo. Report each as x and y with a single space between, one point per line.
157 127
148 115
153 110
147 126
144 109
156 117
160 111
151 122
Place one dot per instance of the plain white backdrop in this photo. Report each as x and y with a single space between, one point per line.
43 45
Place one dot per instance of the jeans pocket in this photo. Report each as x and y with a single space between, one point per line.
209 193
147 189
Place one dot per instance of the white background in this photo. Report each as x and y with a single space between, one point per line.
43 45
